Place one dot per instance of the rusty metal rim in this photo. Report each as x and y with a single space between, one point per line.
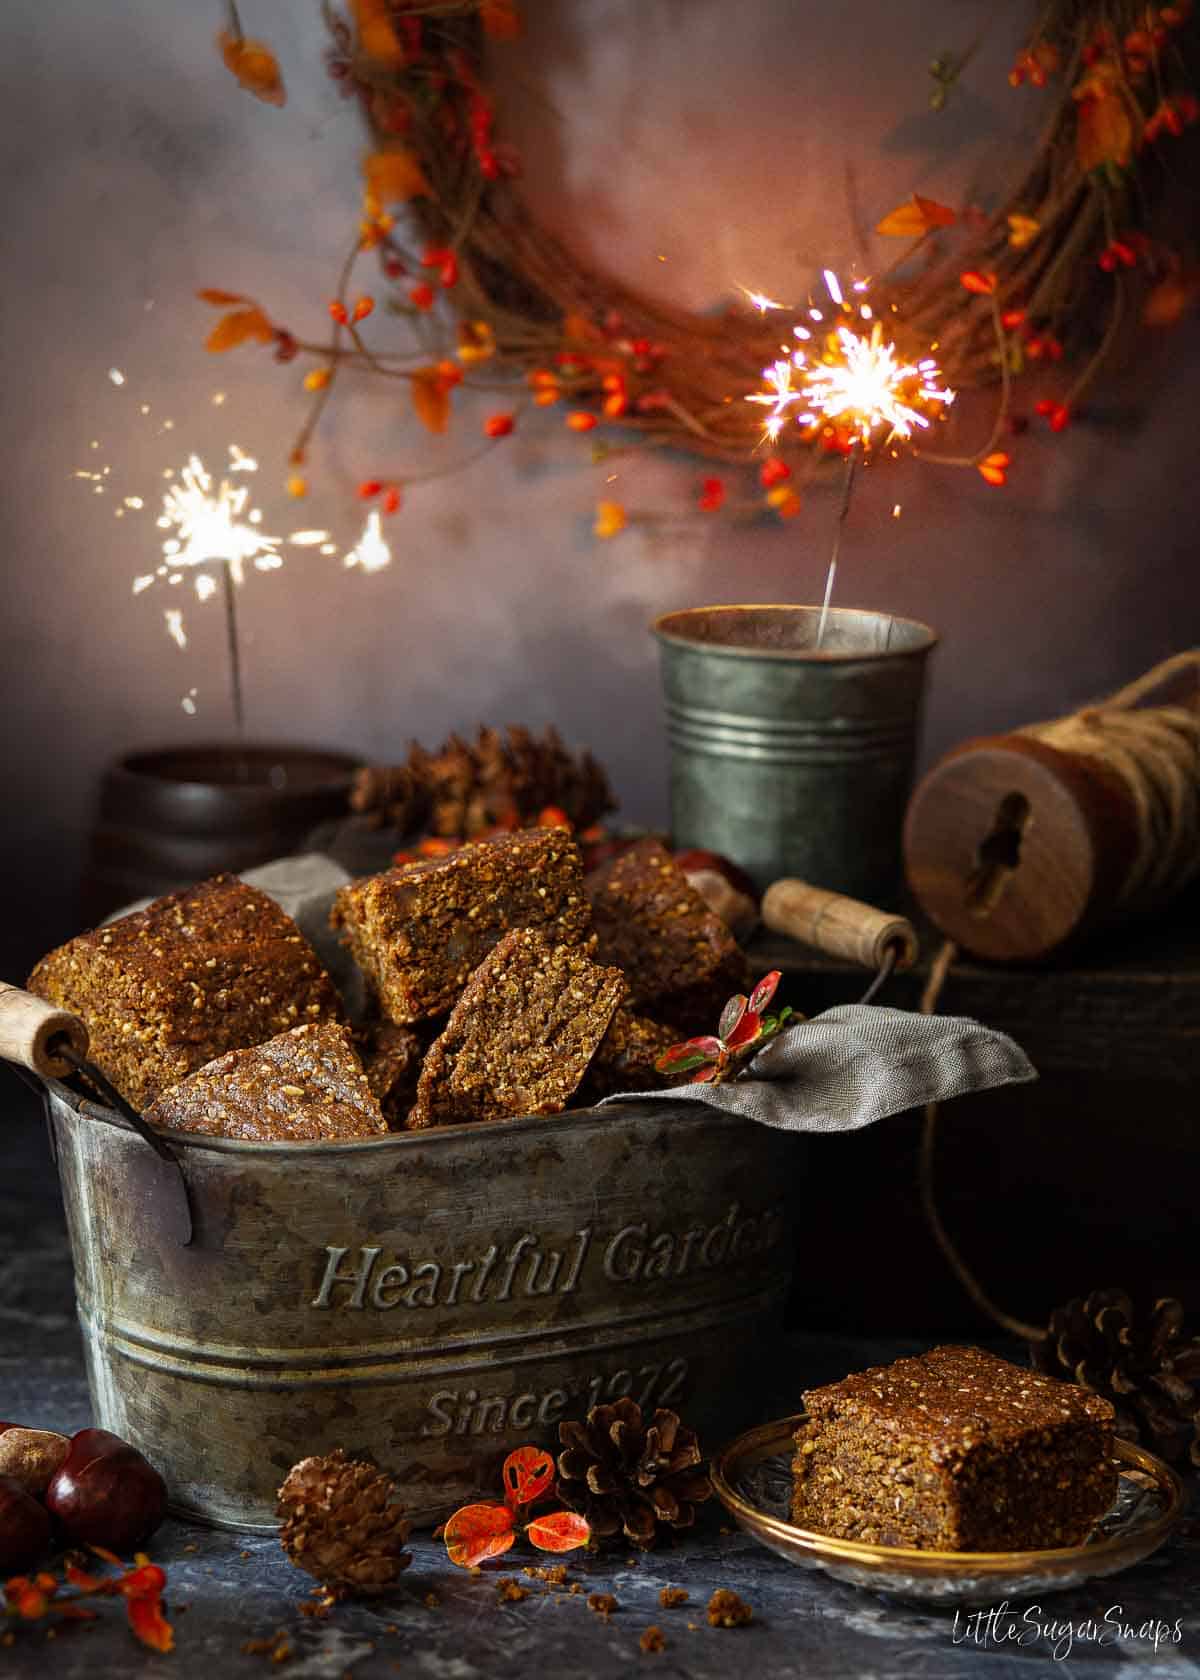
431 1136
792 656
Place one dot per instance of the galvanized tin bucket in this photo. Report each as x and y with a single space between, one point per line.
788 758
432 1299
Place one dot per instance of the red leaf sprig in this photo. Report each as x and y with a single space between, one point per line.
478 1532
742 1031
30 1598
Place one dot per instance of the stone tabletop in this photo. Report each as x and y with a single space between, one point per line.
442 1624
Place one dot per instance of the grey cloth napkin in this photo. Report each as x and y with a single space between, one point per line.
842 1070
857 1064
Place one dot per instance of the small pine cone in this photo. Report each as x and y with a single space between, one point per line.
389 796
630 1477
339 1524
1145 1366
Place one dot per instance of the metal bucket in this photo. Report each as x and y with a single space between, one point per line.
432 1299
792 759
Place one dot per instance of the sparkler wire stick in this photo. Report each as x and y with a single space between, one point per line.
852 460
234 646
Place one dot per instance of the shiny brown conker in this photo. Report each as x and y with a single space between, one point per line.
32 1456
24 1528
106 1493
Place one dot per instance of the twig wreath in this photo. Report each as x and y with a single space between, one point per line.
491 301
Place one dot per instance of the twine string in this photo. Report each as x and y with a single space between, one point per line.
1155 754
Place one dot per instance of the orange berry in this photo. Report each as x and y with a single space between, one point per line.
316 380
368 488
391 500
581 421
337 310
297 485
421 296
498 425
362 308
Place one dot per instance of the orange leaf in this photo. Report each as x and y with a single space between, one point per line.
527 1474
561 1531
210 294
1104 129
148 1622
253 66
238 326
376 36
1169 301
500 19
476 1532
394 177
917 216
430 399
1022 230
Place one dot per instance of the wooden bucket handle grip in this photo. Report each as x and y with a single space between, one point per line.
29 1027
839 926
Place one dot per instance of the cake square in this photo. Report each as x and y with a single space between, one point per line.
625 1057
303 1086
955 1450
418 931
521 1036
680 959
216 967
392 1058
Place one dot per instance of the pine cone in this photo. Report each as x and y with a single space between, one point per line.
503 781
339 1524
630 1477
1149 1370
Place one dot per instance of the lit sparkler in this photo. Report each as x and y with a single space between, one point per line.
848 378
371 552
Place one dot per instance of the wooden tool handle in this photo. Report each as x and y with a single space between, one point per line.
840 926
28 1027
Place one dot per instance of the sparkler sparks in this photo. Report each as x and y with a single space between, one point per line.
372 552
853 378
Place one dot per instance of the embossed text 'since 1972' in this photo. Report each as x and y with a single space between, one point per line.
529 1267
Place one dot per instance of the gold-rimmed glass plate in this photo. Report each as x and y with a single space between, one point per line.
753 1478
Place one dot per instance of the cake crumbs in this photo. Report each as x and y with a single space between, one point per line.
727 1610
671 1597
653 1640
510 1591
556 1576
602 1603
277 1649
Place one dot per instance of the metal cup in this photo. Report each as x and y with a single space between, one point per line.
787 758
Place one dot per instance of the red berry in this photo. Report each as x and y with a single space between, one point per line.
1045 406
773 471
421 296
368 488
498 425
391 500
393 268
337 310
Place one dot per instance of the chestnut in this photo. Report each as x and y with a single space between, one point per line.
105 1493
31 1455
24 1528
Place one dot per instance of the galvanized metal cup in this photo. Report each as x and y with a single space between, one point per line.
788 758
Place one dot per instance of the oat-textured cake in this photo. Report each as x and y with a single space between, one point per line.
625 1057
213 968
391 1058
679 957
954 1451
520 1037
303 1086
418 932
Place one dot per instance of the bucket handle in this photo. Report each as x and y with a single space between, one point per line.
52 1043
